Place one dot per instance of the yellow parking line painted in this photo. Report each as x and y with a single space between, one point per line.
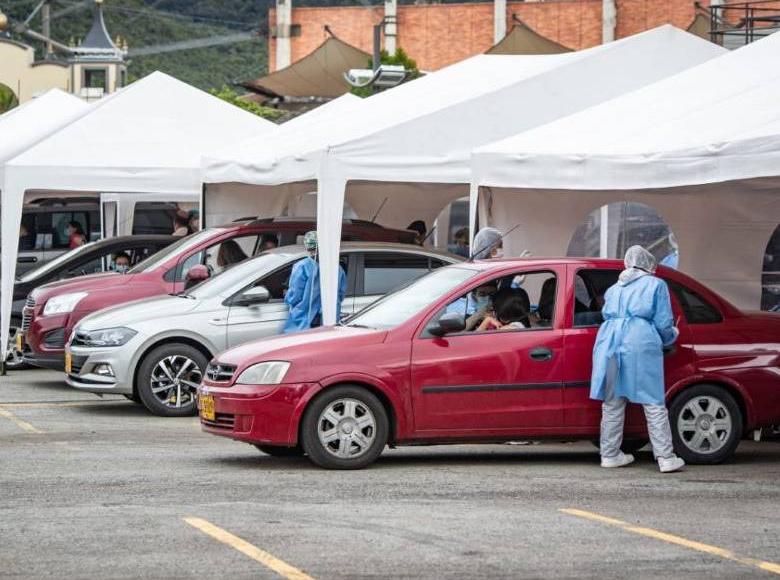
282 568
677 540
24 425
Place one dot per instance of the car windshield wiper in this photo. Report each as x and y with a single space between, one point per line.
358 326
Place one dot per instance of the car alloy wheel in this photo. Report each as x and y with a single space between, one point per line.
346 428
174 381
13 358
706 424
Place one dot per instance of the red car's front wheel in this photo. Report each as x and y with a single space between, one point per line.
344 428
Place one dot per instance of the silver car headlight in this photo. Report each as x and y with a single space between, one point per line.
106 336
63 303
264 373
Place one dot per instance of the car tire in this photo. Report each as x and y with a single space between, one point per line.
13 360
168 378
344 428
712 435
628 445
279 451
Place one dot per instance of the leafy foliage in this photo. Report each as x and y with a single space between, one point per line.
229 95
8 99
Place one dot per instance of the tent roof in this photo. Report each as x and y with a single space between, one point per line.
333 108
523 39
318 74
147 137
29 123
715 122
424 130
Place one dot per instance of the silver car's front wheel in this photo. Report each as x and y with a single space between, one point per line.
168 379
706 424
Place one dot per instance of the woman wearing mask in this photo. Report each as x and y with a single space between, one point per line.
628 360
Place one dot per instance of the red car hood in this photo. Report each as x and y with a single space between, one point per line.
309 348
81 284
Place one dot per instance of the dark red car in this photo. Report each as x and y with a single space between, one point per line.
52 311
406 372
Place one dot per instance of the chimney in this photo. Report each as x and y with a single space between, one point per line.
499 20
391 25
283 26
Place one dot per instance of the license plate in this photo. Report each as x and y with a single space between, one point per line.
20 342
68 361
207 407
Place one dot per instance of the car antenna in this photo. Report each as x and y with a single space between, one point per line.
381 206
489 248
425 239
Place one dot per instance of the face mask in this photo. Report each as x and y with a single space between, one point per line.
122 268
482 302
499 253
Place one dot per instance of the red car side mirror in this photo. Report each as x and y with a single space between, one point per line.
196 275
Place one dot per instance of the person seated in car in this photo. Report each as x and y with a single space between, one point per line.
512 308
229 253
268 242
475 306
121 262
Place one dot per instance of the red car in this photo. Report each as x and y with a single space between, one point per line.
406 371
52 311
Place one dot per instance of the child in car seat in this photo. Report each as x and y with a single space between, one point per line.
512 310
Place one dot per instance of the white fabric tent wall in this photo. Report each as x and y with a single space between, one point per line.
697 147
422 132
25 125
147 138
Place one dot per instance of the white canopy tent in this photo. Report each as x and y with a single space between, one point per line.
147 138
29 123
409 147
702 148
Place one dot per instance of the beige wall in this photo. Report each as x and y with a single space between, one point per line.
26 79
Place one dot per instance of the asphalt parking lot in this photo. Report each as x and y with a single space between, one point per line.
97 488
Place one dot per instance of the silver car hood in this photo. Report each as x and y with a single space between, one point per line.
138 311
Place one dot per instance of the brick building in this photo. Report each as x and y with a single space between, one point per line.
436 35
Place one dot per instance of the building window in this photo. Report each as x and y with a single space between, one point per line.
122 78
295 29
95 78
609 231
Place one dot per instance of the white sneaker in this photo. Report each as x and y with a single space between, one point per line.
619 460
670 464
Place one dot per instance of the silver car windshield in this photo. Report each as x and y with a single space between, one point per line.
49 266
242 274
175 249
399 306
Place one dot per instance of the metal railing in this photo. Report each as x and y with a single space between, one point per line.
743 22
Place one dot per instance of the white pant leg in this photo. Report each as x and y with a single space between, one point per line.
613 415
659 429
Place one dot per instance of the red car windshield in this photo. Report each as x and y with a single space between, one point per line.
175 249
399 306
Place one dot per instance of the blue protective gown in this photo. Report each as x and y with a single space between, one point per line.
303 295
638 323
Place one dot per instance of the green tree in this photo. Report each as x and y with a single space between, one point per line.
230 96
8 99
399 58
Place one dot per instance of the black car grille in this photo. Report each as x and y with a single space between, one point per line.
221 421
27 313
55 338
220 373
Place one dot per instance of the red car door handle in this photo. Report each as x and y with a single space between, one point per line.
541 354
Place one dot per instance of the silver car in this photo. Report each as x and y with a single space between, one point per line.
155 350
